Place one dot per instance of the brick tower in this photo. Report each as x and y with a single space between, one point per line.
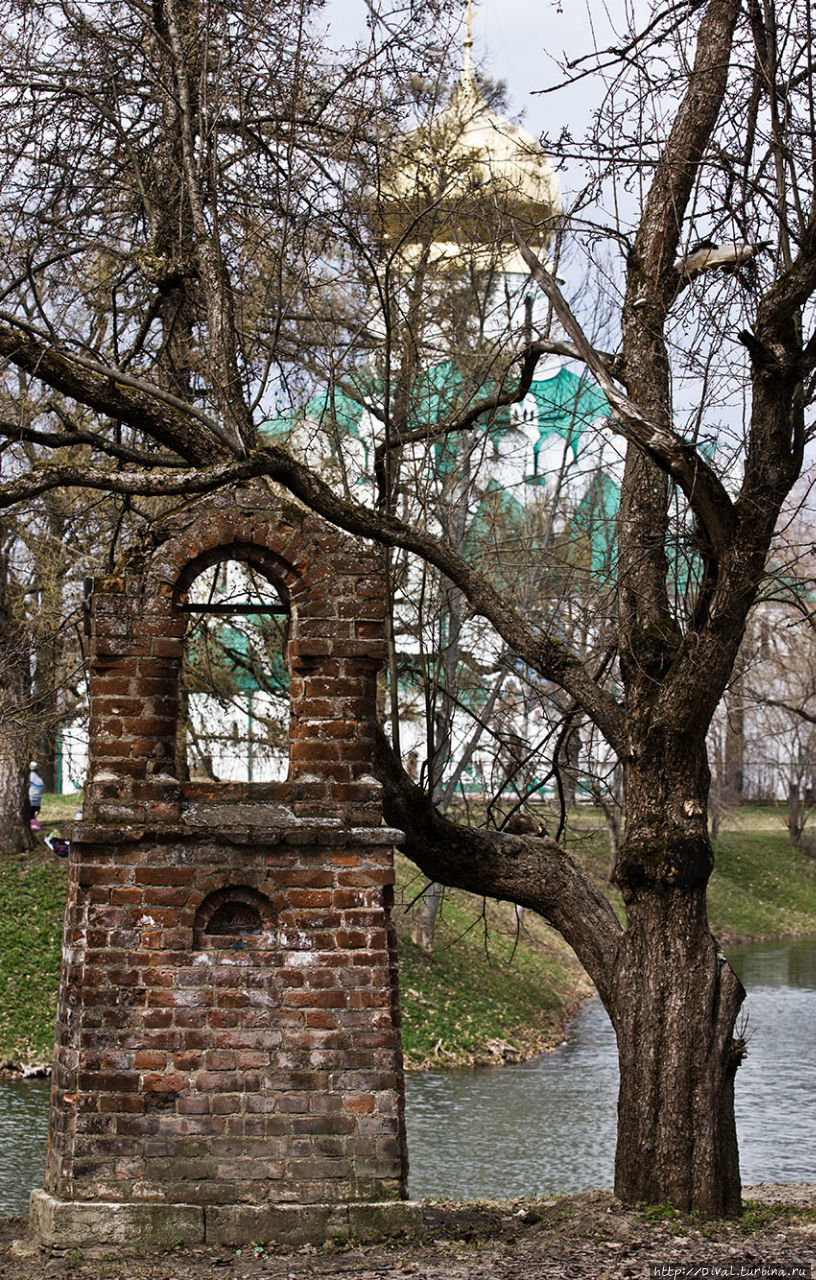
228 1063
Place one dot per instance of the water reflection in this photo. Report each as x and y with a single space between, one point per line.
542 1127
23 1135
776 964
776 1085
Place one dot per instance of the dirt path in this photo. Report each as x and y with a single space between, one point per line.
584 1237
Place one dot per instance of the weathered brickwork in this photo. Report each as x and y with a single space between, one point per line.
228 1026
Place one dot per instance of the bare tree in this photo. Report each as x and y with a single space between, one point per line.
41 674
778 694
14 738
188 172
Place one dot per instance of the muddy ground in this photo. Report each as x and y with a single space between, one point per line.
583 1237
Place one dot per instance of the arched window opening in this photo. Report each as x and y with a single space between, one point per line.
234 705
234 918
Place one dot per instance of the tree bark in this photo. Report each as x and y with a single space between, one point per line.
796 815
15 829
423 930
612 820
15 832
734 749
676 1001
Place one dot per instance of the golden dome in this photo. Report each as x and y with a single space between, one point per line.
462 176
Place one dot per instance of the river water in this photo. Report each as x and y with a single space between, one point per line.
548 1126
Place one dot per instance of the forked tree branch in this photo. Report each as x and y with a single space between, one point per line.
701 485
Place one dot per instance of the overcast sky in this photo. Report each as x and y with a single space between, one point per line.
518 41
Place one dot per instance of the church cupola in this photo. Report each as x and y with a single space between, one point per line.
463 176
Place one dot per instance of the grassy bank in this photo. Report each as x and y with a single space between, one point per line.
761 887
32 901
492 992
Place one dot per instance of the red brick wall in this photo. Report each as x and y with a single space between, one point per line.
262 1064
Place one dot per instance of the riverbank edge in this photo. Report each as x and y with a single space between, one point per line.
531 1044
527 1043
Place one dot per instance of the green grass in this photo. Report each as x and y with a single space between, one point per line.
761 887
58 809
758 1217
32 906
487 994
32 903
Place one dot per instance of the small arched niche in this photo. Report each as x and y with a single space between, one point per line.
236 915
234 707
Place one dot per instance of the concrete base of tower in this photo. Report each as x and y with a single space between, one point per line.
66 1224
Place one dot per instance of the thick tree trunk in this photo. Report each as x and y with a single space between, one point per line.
676 1004
44 751
671 995
795 819
571 760
15 833
613 831
674 999
734 751
15 829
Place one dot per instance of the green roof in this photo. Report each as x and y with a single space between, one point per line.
564 404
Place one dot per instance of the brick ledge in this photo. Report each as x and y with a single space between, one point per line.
66 1224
